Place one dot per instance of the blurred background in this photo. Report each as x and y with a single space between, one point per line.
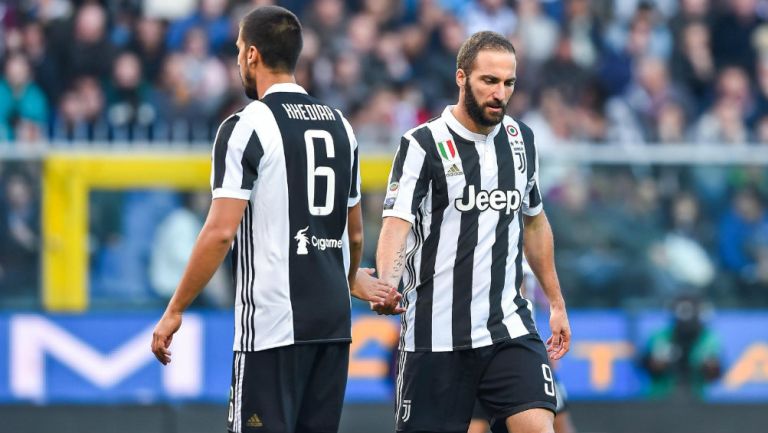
652 122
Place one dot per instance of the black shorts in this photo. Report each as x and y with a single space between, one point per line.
499 425
436 391
298 388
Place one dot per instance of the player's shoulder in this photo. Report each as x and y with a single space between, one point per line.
422 134
516 123
516 128
254 113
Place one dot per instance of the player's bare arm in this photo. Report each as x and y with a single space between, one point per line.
363 285
538 246
390 260
209 251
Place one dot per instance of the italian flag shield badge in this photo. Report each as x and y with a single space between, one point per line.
447 149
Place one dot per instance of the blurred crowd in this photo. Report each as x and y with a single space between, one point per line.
605 72
601 71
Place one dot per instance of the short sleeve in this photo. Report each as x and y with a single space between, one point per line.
236 156
532 203
354 186
408 181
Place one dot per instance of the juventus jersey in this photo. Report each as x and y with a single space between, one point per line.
465 194
295 160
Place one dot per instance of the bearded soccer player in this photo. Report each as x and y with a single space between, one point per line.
463 204
286 192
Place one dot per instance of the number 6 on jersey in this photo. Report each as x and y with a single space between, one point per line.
313 172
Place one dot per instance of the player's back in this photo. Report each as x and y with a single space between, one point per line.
291 251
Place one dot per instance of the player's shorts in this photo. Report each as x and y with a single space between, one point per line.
297 388
436 391
499 425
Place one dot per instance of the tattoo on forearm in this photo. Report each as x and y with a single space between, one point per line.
399 265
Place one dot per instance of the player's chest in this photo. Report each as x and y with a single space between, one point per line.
477 176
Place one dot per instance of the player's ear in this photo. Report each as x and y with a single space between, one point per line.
461 78
253 57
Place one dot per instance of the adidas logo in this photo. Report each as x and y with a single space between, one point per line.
254 421
454 171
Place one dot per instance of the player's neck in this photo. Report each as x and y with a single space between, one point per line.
460 113
268 79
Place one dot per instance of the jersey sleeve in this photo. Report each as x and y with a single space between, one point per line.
354 186
236 156
408 181
532 203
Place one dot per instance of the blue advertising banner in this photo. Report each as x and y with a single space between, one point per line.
105 357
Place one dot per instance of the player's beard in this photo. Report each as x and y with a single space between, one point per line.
477 111
249 84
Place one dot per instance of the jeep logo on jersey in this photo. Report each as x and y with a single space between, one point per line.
319 243
496 199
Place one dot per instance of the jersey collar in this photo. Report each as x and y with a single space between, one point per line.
284 87
463 132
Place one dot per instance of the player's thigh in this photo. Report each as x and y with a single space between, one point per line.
321 406
480 419
534 420
517 378
564 423
435 391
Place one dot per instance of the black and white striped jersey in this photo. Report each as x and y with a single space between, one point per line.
465 194
295 160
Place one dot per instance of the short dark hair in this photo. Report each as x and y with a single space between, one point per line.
478 42
276 33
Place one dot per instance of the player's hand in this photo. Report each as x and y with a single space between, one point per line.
163 334
390 305
560 340
369 288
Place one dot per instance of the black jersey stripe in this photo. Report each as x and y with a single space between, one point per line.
244 235
248 281
465 248
251 158
220 146
353 192
522 304
410 265
399 162
530 149
500 250
251 278
425 289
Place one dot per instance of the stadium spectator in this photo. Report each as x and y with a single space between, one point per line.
129 111
537 32
204 75
651 90
734 28
45 69
81 113
19 237
172 245
671 127
493 15
743 242
693 65
89 52
23 107
149 44
212 20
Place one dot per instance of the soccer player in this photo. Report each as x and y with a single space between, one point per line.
286 191
462 205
